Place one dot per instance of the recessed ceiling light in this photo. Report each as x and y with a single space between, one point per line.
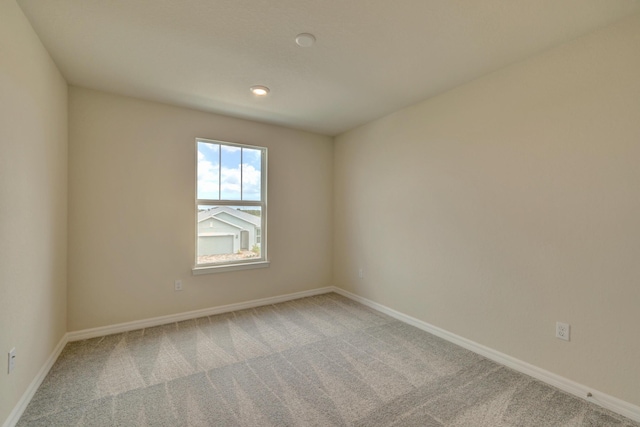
305 40
259 90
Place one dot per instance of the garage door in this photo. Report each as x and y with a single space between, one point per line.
215 245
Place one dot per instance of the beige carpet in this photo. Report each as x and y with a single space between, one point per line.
318 361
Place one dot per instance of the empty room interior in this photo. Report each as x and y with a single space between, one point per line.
452 233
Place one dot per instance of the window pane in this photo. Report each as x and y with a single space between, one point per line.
251 173
208 171
229 233
230 178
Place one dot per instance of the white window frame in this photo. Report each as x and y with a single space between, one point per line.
251 263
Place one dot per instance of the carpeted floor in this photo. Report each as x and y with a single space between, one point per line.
318 361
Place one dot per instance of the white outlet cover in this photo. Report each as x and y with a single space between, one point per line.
177 285
12 360
563 331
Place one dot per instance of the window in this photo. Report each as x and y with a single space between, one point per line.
231 206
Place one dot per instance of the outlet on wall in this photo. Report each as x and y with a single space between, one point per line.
177 285
563 331
11 360
360 273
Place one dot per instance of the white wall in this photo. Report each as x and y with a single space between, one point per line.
507 204
132 212
33 185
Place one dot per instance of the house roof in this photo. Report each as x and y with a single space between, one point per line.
203 215
371 57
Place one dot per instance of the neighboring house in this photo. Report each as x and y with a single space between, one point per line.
225 230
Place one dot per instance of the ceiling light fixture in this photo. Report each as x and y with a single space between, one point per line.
259 90
305 39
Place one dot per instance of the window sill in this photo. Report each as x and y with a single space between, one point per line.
196 271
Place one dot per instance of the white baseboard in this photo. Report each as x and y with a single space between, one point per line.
163 320
18 410
604 400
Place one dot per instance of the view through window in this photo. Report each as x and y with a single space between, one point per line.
231 203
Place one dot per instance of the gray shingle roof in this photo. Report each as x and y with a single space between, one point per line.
203 215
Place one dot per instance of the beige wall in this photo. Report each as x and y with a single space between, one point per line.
507 204
33 184
132 213
491 211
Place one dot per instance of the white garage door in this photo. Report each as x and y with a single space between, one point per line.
215 245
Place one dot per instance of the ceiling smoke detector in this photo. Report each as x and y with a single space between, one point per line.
305 39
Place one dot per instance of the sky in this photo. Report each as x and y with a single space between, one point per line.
220 169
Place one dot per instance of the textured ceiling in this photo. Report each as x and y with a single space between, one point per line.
371 58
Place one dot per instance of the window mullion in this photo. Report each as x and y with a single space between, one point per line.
229 202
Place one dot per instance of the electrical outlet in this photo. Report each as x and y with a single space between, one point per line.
177 285
563 331
361 274
11 360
